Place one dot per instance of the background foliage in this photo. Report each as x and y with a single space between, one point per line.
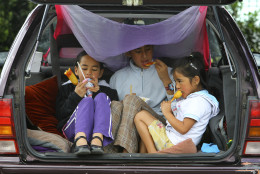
249 26
12 16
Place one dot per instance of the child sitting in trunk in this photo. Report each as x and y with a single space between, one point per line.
187 117
86 120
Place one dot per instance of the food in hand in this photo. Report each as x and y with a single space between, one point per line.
177 94
131 89
88 84
71 76
149 63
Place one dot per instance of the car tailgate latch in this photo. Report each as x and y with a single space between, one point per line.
132 2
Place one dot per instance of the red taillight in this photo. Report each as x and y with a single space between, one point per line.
8 143
254 118
252 142
255 109
255 122
5 107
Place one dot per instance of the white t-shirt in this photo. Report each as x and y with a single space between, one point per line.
200 106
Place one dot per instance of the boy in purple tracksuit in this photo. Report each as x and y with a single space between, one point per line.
86 120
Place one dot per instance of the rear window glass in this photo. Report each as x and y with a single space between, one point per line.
3 56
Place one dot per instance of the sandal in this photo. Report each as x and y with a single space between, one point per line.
95 149
80 150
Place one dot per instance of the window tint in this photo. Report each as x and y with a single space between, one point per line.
215 46
3 56
44 43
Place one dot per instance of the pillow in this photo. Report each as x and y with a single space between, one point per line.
40 102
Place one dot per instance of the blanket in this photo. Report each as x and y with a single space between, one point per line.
48 142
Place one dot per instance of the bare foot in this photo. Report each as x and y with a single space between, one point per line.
81 141
96 141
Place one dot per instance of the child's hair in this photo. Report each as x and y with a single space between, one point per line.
192 66
83 53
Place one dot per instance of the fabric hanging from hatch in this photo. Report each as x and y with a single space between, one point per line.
107 40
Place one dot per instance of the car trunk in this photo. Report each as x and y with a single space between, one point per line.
230 80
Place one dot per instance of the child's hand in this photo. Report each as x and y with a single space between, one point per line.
162 71
81 89
96 87
166 107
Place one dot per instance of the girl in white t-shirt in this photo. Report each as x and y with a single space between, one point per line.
187 117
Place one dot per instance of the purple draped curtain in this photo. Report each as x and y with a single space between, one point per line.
107 40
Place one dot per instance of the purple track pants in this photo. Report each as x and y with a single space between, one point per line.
91 116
